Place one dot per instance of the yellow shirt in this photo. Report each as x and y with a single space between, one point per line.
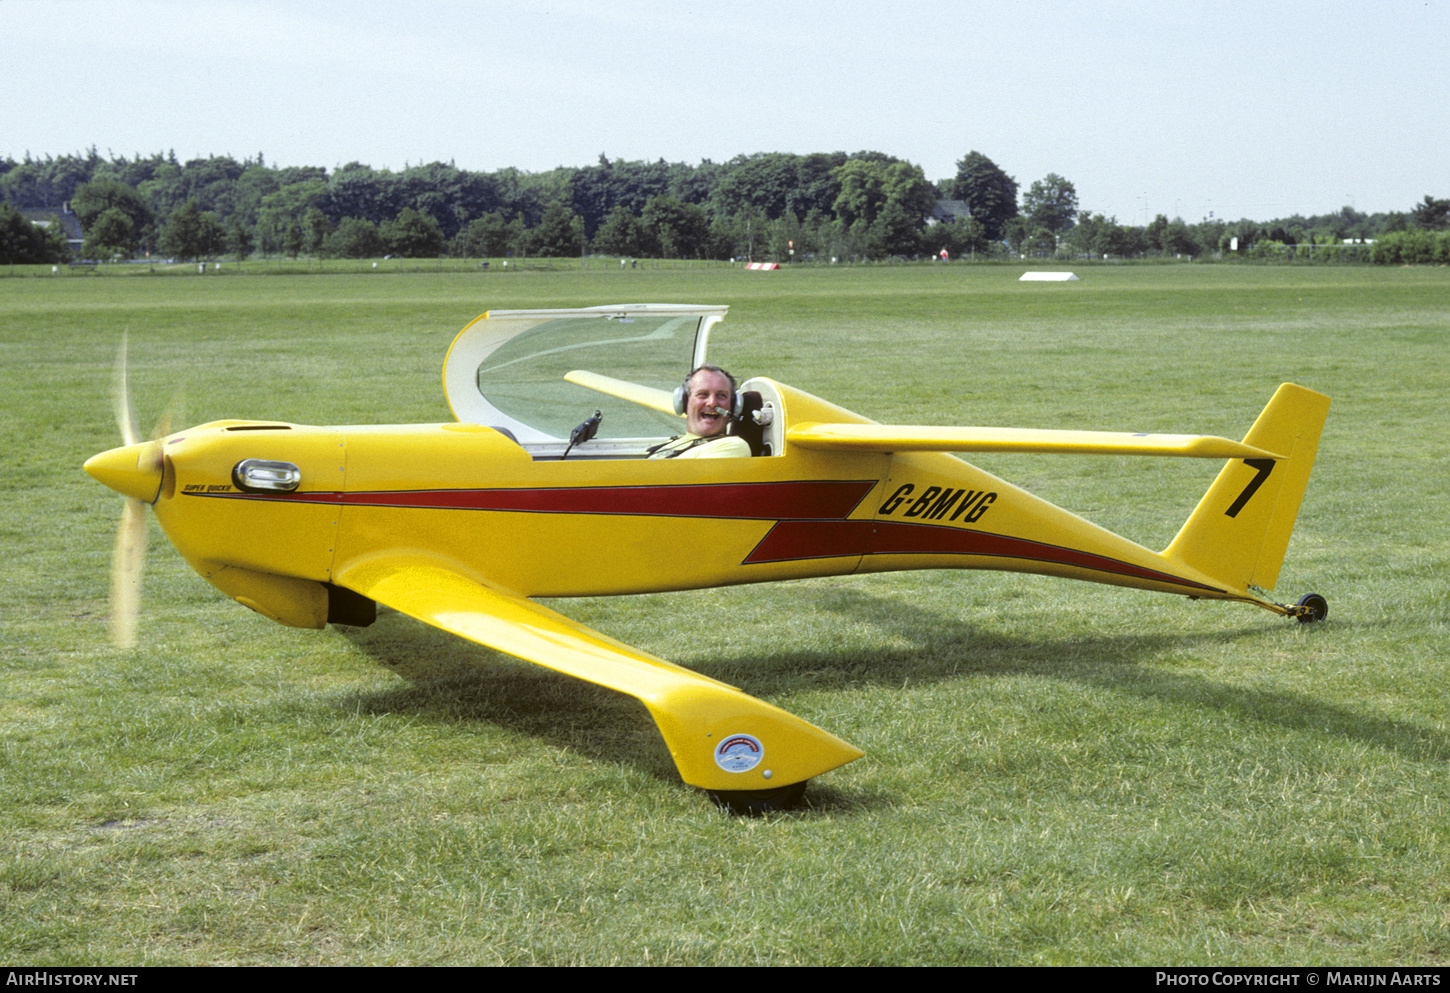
690 446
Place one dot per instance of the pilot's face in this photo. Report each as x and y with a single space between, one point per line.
708 393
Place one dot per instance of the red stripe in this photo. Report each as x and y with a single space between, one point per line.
811 499
794 540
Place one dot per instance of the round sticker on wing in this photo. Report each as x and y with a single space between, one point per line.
739 753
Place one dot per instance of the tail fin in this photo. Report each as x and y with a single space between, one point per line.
1241 527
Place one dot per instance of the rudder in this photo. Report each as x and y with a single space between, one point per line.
1241 527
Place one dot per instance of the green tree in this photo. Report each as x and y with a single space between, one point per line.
816 186
1412 246
1432 215
673 229
255 183
110 237
990 193
191 233
863 191
559 233
360 192
597 190
1099 236
315 229
529 194
743 236
905 184
55 244
47 183
354 238
1051 203
817 235
1245 232
761 183
239 239
1155 230
211 182
163 192
488 236
24 243
861 240
898 231
279 215
439 190
620 234
783 237
1040 243
97 197
291 239
1015 232
964 236
892 194
1173 237
1123 241
413 235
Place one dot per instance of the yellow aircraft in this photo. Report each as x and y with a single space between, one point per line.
460 525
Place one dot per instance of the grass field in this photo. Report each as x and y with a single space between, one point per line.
1056 773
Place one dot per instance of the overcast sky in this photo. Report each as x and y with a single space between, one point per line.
1258 109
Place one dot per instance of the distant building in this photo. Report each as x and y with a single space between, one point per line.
69 223
947 211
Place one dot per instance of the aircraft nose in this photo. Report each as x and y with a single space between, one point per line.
133 470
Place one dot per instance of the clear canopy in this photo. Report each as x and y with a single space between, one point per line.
508 368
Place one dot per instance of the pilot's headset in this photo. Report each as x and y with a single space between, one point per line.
682 392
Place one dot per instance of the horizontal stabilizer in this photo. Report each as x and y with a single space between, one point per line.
698 716
645 396
898 438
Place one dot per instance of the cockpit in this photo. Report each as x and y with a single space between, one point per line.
539 375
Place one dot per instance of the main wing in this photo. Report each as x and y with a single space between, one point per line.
720 738
645 396
907 438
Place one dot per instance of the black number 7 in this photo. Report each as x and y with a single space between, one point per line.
1265 466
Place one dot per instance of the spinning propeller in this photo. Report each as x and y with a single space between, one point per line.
135 471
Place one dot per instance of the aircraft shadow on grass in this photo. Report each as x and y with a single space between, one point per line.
452 681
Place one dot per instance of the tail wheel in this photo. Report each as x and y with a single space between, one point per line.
1312 607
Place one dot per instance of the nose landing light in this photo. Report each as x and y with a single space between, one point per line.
261 476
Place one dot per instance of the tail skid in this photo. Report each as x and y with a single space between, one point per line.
1238 533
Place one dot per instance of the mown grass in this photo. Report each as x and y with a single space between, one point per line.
1056 773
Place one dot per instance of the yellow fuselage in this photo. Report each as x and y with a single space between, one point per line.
469 499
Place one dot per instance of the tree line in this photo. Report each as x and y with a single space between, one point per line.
769 205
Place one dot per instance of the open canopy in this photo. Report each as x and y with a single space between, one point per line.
509 368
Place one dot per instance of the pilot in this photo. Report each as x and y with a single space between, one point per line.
707 399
